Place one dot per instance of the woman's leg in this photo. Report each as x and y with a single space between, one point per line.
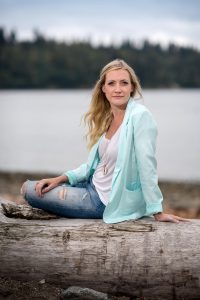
81 201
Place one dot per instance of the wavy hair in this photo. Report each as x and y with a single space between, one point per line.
99 116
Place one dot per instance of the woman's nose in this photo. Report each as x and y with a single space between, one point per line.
117 88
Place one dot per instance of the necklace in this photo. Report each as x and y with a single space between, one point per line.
105 170
105 167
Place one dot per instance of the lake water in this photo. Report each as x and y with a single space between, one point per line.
40 131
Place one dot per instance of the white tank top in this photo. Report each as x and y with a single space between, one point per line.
102 177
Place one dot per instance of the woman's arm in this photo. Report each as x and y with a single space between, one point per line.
145 144
145 135
47 184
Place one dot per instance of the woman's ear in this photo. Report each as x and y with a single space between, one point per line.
103 88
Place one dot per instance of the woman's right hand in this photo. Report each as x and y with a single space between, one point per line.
45 185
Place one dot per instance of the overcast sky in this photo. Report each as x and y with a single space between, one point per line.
105 21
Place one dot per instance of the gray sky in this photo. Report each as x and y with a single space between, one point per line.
105 21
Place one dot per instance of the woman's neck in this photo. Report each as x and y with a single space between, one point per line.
118 115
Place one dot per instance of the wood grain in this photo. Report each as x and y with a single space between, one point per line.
135 258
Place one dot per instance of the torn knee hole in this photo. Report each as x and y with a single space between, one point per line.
84 196
62 194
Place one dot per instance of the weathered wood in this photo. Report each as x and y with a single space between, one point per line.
135 258
11 210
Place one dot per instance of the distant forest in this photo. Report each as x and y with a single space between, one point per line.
43 63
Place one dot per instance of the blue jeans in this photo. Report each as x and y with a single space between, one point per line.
80 201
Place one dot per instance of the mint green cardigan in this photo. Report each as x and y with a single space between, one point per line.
135 192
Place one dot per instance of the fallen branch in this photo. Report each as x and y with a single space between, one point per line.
11 210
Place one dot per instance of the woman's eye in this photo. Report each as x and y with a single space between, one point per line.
111 83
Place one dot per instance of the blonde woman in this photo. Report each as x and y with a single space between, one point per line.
119 181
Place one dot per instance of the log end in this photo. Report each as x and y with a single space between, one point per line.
11 210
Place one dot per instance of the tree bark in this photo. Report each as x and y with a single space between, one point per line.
135 258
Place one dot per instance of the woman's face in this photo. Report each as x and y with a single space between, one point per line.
117 88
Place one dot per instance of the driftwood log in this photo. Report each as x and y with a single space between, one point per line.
136 258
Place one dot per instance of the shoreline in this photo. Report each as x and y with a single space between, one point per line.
180 197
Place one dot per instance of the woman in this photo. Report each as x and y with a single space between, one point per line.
119 181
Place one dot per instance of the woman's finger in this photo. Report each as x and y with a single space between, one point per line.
39 188
182 219
170 218
173 218
48 188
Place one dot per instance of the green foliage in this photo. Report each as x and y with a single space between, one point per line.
43 63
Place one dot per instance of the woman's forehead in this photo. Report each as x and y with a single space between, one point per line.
118 74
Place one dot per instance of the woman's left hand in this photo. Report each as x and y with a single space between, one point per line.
162 217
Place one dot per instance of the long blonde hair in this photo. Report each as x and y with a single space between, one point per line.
99 116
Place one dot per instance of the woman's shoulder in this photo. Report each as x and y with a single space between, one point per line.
140 115
139 109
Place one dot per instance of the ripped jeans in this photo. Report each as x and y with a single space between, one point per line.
80 201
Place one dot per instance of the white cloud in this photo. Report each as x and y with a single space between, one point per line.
105 21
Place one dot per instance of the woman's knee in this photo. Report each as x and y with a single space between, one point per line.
23 189
28 189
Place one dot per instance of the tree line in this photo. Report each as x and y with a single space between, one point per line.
45 63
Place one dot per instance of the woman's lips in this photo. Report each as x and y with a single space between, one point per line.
118 97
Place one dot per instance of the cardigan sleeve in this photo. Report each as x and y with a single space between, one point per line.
145 136
77 175
84 171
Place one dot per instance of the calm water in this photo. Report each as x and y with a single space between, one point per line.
41 131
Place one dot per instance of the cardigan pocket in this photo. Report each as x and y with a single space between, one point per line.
133 186
133 200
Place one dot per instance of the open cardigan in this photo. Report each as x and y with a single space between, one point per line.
135 192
